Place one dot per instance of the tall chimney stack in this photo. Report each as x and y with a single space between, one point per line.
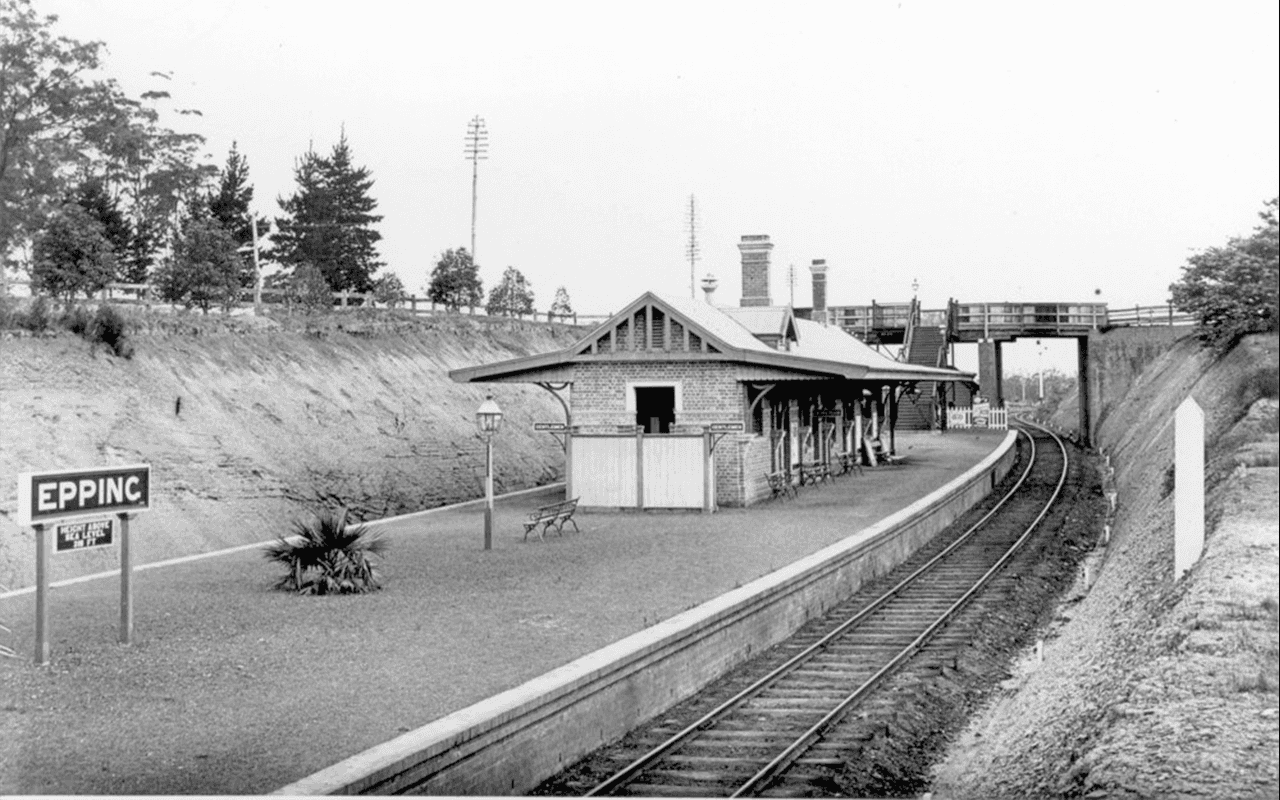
709 285
755 270
819 270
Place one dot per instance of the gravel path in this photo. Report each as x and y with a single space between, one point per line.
232 688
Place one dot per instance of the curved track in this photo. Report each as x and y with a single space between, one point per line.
763 724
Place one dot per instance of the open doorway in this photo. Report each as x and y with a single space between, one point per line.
656 408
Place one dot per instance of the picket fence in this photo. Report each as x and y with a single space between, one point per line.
144 294
963 417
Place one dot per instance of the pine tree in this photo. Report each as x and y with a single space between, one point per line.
299 234
140 254
94 199
329 222
354 207
204 269
229 205
513 296
560 306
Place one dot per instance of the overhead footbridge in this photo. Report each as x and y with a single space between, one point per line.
924 338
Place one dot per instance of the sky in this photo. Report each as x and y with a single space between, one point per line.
1051 152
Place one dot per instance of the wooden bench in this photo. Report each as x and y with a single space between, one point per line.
849 462
812 472
555 514
780 483
882 454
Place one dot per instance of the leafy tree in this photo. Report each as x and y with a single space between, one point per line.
512 296
72 254
308 286
389 290
329 219
204 267
1235 289
229 205
455 281
58 127
560 306
53 120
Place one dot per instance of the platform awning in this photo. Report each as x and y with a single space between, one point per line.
657 328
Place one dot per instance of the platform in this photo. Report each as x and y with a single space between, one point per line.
234 688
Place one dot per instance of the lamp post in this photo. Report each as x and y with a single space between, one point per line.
488 421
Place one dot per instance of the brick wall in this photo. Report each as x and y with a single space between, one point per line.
709 392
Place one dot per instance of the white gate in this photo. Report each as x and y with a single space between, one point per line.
963 417
604 470
673 470
672 474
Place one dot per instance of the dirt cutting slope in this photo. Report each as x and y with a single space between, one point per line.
1151 686
249 423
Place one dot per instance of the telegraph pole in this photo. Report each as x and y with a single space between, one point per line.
691 249
477 148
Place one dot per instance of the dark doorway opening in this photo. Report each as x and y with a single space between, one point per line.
656 408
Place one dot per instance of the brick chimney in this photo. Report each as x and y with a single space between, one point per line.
819 270
755 270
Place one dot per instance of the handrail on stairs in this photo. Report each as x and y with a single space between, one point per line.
913 319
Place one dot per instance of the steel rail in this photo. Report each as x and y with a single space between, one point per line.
762 778
627 773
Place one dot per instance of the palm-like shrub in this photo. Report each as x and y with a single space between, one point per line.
327 556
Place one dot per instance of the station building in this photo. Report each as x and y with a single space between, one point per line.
678 403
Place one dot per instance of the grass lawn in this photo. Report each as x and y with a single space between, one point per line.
233 688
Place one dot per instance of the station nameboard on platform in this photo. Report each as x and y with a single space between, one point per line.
48 496
83 535
558 427
727 427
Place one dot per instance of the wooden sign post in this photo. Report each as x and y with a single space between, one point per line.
49 497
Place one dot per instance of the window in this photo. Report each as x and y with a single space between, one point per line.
656 408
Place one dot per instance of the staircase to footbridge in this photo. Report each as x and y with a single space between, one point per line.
925 336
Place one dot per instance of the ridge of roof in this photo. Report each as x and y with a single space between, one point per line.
818 348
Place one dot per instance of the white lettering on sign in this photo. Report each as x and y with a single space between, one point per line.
46 501
83 535
47 496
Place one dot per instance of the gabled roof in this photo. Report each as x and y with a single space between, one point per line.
719 336
713 321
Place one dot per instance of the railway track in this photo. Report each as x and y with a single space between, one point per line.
760 729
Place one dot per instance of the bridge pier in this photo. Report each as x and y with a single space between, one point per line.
1082 370
991 371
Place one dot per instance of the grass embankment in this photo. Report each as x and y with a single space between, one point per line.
251 422
1153 686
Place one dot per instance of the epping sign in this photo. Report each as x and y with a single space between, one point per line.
48 496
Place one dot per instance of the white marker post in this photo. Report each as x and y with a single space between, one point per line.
49 497
1188 486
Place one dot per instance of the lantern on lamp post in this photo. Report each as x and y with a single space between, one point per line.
488 421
